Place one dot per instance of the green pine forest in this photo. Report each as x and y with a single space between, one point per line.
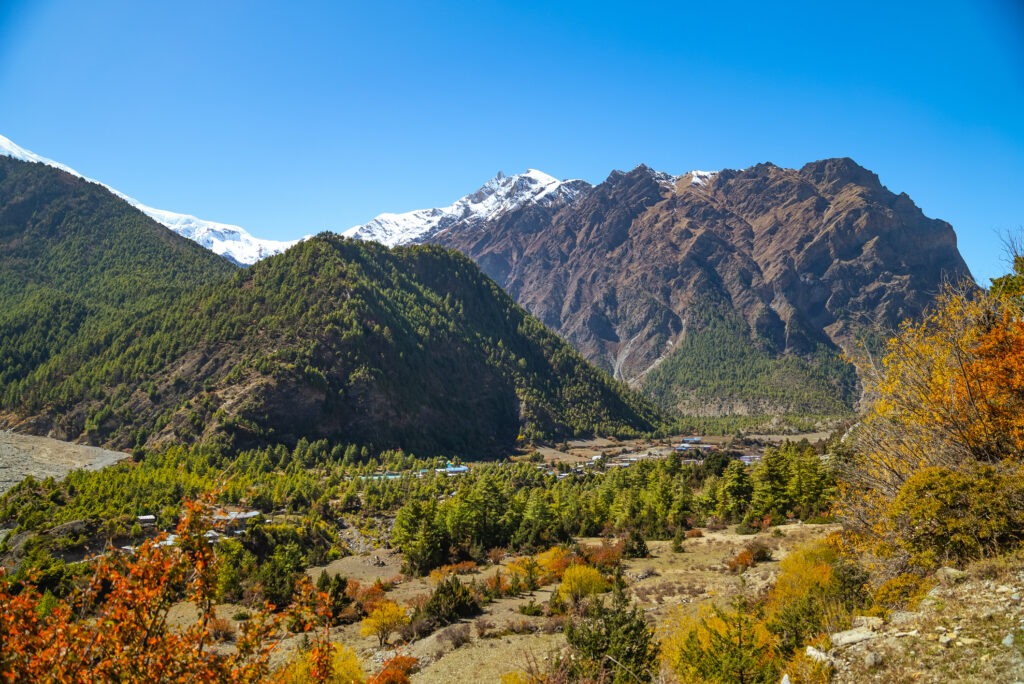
407 348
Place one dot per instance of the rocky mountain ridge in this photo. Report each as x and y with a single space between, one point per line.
798 261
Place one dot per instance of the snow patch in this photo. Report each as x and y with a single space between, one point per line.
701 177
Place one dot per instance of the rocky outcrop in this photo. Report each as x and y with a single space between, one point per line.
806 257
967 629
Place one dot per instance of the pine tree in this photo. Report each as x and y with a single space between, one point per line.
734 491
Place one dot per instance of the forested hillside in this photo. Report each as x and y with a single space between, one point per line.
124 334
76 259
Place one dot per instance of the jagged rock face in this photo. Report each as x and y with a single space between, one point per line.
806 256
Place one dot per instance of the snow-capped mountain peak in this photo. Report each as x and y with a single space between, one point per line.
231 242
497 196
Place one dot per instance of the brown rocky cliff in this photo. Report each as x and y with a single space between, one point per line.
806 257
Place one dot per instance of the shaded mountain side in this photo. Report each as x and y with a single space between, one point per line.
798 264
337 339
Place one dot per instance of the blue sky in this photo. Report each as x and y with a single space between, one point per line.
291 118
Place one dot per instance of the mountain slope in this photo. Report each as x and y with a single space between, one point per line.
231 242
336 339
75 258
794 264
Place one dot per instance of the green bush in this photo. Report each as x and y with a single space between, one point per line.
451 601
612 643
944 516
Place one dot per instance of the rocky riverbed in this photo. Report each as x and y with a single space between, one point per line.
41 457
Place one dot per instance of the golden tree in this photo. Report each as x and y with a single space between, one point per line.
383 620
947 397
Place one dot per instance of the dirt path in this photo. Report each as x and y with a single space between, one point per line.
42 457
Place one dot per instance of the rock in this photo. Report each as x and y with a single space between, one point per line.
852 636
785 679
817 655
949 575
1003 590
873 660
1015 598
902 617
945 641
869 622
1008 640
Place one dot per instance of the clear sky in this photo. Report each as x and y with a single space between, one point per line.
293 117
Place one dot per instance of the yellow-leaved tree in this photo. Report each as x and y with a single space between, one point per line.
383 620
936 460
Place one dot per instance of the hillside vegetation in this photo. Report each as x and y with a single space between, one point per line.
718 367
77 261
412 347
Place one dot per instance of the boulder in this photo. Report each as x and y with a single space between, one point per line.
852 636
817 655
948 575
902 617
866 621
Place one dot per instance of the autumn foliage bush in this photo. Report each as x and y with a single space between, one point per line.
580 581
396 671
934 473
114 628
442 573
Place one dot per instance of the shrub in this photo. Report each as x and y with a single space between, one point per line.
396 671
483 627
744 528
553 563
743 560
723 646
580 581
456 635
814 594
553 625
760 552
612 643
902 591
694 533
946 516
221 629
451 601
461 568
240 615
344 667
497 585
532 608
635 546
605 556
520 627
